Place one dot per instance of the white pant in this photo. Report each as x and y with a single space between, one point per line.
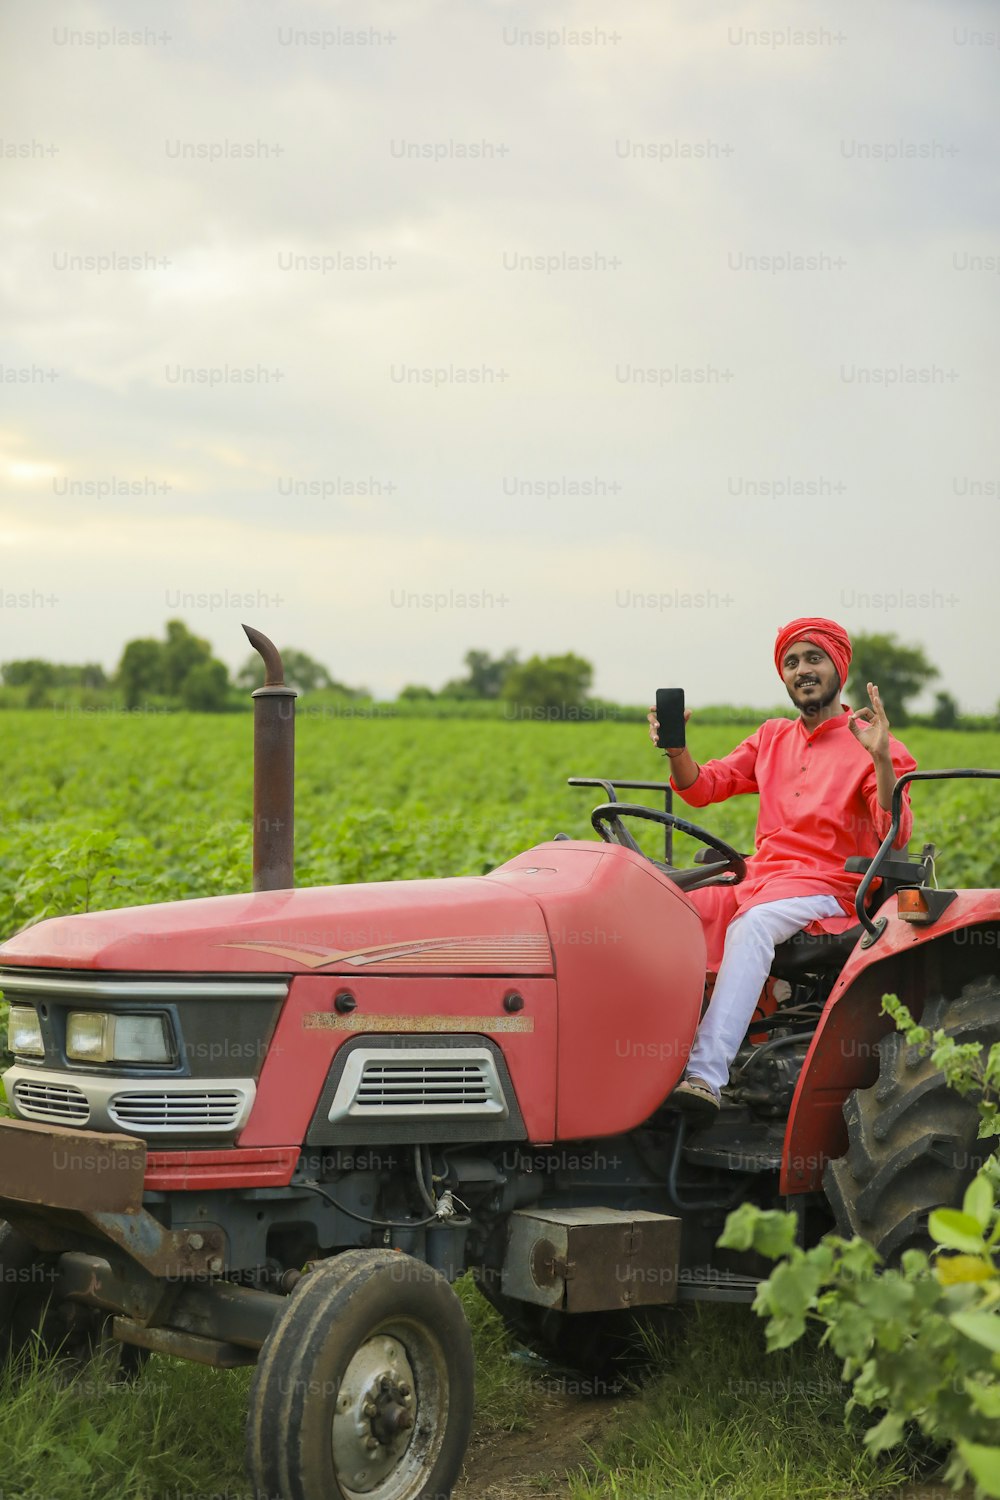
746 961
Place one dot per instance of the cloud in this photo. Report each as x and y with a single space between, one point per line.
675 302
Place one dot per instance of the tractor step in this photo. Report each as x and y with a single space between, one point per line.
737 1145
709 1284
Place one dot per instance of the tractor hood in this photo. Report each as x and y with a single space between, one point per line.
467 925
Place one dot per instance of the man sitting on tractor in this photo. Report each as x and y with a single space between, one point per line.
825 782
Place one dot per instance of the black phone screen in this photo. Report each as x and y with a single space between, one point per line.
670 716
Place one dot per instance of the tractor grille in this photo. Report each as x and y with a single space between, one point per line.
421 1085
178 1109
217 1107
420 1082
56 1102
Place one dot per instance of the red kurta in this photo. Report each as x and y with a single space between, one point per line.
818 806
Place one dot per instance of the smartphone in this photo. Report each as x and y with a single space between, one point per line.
670 716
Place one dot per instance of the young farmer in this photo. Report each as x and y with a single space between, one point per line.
825 782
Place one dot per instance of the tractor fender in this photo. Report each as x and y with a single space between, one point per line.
913 962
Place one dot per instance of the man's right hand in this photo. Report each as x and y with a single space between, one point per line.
654 727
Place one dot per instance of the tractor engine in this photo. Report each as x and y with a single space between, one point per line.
765 1076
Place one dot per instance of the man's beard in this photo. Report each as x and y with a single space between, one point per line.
815 705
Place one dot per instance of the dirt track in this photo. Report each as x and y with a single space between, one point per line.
534 1465
523 1465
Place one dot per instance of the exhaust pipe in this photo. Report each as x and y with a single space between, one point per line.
273 772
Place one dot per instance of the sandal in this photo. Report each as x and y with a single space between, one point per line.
695 1097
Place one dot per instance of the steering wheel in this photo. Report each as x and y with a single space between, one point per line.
607 821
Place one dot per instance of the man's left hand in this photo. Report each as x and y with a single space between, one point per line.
870 725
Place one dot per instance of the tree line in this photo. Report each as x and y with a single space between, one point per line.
901 672
181 672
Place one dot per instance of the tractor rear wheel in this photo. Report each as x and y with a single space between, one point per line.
603 1345
364 1386
913 1141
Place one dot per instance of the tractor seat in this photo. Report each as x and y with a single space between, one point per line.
810 953
826 952
814 952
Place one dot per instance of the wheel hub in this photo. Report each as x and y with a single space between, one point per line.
393 1414
375 1413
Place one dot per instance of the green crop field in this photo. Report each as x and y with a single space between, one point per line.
101 810
104 810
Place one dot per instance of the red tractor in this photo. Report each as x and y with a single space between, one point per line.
273 1128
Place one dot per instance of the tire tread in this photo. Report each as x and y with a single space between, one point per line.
912 1141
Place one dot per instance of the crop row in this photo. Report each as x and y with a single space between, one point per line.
98 812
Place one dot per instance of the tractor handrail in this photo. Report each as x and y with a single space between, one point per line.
636 786
874 930
608 786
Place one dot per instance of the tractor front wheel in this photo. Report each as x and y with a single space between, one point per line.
364 1385
913 1141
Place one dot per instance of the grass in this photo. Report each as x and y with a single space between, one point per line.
177 1434
722 1420
504 1386
111 812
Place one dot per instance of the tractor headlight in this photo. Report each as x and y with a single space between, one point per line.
141 1039
24 1031
88 1036
96 1037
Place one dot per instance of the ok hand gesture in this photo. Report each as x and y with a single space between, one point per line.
870 725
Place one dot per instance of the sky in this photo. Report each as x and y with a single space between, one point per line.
403 328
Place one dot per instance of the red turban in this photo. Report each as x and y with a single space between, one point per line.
827 634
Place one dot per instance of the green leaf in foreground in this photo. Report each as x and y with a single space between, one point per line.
985 1398
984 1465
978 1201
983 1327
767 1231
956 1230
